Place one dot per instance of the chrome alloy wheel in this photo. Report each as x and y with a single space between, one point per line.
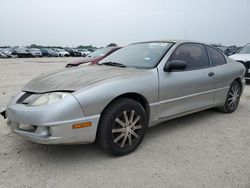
126 129
234 97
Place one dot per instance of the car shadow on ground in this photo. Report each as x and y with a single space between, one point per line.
176 124
91 152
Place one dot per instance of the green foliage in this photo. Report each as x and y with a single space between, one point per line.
112 45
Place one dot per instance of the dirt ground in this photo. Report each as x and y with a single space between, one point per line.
206 149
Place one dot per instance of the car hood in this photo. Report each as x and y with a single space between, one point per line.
76 78
240 57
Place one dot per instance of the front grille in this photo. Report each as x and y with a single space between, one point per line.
23 97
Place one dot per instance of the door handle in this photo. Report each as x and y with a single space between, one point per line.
211 74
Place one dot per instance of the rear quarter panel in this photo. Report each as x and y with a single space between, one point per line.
225 75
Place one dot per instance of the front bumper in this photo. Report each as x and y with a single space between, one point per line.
51 124
59 134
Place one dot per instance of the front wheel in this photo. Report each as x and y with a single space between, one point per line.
233 98
122 127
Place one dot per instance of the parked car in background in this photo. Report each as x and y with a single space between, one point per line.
21 52
84 52
222 49
47 52
61 52
3 55
7 51
231 50
35 52
94 57
114 102
73 52
243 56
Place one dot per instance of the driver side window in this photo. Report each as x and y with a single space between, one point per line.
194 55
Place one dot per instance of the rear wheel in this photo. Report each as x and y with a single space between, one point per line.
122 127
233 98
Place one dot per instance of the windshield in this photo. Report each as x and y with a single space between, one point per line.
245 50
99 53
50 51
140 55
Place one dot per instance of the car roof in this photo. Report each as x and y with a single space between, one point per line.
170 41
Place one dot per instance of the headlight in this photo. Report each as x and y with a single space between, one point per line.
48 98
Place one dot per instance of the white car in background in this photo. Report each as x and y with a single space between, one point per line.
84 52
243 56
6 51
35 52
3 55
61 52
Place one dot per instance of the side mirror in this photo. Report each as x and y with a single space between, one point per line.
175 65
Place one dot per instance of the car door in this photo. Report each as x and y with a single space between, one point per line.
222 74
186 90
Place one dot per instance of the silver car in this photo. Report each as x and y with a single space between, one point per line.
115 101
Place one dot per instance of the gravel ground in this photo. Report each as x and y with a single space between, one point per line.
206 149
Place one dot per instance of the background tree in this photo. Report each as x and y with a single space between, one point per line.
112 45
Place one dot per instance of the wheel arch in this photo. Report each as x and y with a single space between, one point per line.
134 96
104 127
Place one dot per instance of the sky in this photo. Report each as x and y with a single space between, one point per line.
100 22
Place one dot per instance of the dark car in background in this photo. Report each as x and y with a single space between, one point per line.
222 49
21 52
231 50
94 57
73 52
46 52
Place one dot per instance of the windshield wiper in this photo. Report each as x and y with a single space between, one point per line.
110 63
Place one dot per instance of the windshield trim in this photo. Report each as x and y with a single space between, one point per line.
167 50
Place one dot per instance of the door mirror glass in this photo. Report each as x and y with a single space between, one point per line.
175 65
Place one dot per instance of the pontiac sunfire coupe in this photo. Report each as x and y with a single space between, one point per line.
115 101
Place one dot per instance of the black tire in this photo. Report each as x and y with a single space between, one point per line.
112 132
233 98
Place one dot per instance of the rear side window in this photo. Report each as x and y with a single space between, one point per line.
193 54
216 57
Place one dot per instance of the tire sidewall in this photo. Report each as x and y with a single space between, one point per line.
108 119
226 106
